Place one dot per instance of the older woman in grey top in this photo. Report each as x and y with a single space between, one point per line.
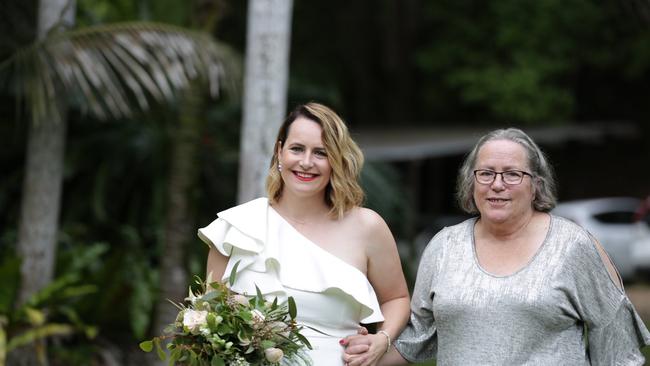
515 285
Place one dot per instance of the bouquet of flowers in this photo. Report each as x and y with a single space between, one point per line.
221 327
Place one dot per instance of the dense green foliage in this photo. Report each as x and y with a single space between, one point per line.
516 61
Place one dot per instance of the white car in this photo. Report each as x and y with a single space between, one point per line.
615 223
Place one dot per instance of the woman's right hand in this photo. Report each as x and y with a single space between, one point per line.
364 349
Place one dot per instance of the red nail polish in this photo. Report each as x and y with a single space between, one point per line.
342 342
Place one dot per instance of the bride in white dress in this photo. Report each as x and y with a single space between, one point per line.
311 240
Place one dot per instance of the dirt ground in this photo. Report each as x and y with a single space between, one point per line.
639 294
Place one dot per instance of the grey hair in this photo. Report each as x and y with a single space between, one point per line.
543 177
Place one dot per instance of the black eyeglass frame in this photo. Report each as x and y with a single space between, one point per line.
495 173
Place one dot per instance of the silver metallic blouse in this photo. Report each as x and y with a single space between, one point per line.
562 308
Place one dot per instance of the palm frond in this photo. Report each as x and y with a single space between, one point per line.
114 70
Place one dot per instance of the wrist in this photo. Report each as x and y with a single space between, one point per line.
388 340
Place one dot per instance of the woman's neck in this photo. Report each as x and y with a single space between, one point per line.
509 230
302 209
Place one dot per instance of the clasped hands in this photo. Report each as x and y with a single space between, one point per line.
363 349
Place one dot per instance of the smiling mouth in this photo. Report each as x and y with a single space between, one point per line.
305 177
497 200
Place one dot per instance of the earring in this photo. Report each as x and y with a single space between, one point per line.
279 166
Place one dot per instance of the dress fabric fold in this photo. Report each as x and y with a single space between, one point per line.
332 296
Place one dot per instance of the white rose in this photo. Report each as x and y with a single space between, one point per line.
193 319
257 315
279 328
273 355
240 299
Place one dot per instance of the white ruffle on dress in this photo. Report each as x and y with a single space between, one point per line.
331 295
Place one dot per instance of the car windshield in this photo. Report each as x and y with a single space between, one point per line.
616 217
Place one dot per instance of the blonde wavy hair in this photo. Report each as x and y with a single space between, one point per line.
343 191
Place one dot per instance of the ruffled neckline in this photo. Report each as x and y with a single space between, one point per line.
316 246
291 259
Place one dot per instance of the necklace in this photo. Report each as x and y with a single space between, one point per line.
306 216
296 221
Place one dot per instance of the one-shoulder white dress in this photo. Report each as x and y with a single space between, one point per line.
331 295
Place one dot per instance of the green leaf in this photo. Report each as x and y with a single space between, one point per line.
50 291
146 346
35 316
210 295
303 340
90 331
267 344
211 320
161 354
77 291
217 361
10 274
140 303
175 355
245 315
94 57
260 297
37 333
224 329
3 340
233 274
292 307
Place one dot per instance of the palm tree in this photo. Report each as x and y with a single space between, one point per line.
110 71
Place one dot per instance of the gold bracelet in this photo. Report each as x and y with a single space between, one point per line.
387 338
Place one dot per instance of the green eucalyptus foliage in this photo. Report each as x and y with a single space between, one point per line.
216 325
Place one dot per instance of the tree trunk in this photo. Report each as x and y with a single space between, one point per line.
265 90
179 223
41 196
37 233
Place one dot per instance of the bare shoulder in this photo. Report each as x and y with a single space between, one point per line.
366 219
371 228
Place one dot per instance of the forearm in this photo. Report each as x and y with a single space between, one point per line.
392 358
396 313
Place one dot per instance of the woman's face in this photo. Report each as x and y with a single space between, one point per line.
499 202
305 167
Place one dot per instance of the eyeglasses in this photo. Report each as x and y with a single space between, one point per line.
511 177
